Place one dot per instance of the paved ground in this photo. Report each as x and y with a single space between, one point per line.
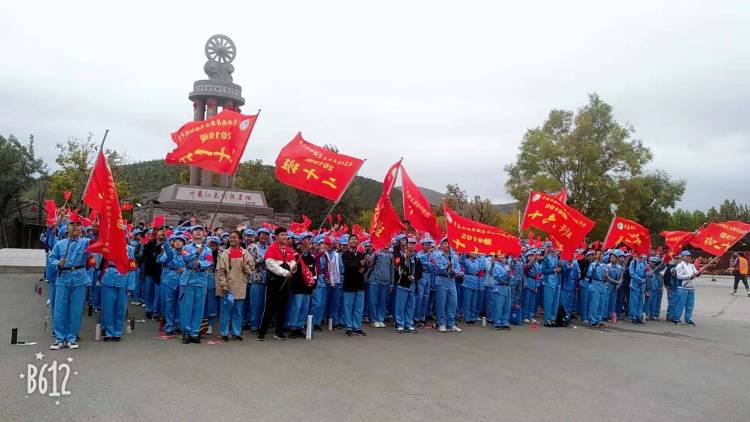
657 372
22 260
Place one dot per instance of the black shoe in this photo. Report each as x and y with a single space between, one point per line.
296 334
261 338
360 333
253 332
349 333
178 331
149 315
507 328
237 338
185 339
246 326
116 339
317 328
224 339
690 323
196 340
470 322
169 333
279 336
107 338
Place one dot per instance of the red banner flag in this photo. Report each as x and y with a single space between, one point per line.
565 225
562 196
630 233
469 236
676 240
216 144
101 196
67 194
314 169
385 223
717 238
417 209
51 209
390 178
159 221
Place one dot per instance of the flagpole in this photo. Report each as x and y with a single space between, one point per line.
325 217
614 215
525 210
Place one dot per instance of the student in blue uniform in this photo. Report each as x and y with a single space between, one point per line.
115 298
638 273
446 298
174 266
426 285
654 284
474 269
551 268
595 278
193 283
533 275
517 274
69 256
613 278
212 302
502 284
570 274
256 290
381 279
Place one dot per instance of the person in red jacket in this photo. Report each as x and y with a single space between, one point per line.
281 265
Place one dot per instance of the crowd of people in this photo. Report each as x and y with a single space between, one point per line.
188 277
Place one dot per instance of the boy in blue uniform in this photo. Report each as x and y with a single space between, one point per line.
638 273
381 279
595 278
474 268
501 283
174 265
194 281
533 274
114 287
70 257
446 268
424 284
654 284
551 269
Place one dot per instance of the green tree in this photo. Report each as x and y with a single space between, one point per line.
588 152
647 199
20 168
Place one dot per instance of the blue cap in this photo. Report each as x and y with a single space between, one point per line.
535 251
344 239
249 232
548 244
590 252
291 235
411 240
177 237
197 227
304 235
398 238
654 259
366 243
137 232
685 253
427 239
224 235
213 239
264 230
444 239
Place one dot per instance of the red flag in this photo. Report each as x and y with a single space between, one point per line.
564 224
314 169
51 209
385 223
632 234
468 236
159 221
562 196
216 144
417 209
101 195
676 240
717 238
67 194
390 178
92 216
127 206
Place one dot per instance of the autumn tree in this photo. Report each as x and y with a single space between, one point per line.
20 167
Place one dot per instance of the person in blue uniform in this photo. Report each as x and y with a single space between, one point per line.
425 283
595 278
405 278
638 273
501 285
613 278
447 267
174 266
212 302
69 256
320 294
570 274
51 270
583 282
257 281
381 279
533 275
551 268
301 288
516 265
654 285
115 298
474 269
193 283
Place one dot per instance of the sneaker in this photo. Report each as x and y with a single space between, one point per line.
280 336
498 327
106 338
143 305
74 345
185 339
375 324
349 333
733 293
237 338
210 330
411 330
526 321
225 338
360 333
533 321
261 338
56 346
690 323
400 330
442 329
116 339
455 329
470 322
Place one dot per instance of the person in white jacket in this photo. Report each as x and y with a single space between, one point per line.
685 272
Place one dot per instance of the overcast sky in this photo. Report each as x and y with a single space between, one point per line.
450 86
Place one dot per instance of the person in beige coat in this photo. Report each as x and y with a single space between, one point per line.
235 264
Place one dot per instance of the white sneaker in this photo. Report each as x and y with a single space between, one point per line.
73 345
400 330
442 329
48 301
455 329
733 293
381 324
526 321
56 346
375 325
533 321
748 294
210 330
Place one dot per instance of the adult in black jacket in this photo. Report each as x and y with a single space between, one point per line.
300 288
355 263
408 270
152 281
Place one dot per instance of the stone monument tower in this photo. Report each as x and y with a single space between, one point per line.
217 91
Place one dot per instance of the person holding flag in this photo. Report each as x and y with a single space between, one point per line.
685 273
551 268
638 273
501 285
173 265
115 298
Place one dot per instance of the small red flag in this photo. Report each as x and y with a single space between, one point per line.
216 144
417 209
632 234
469 236
385 223
51 209
390 178
314 169
562 196
235 253
101 195
566 226
159 221
127 206
676 240
67 194
717 238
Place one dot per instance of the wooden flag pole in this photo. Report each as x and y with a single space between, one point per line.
340 196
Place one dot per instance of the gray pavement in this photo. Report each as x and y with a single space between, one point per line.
631 373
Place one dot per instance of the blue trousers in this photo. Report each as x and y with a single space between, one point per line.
469 298
149 293
51 296
583 302
211 303
446 301
68 309
366 307
635 308
158 306
318 304
567 298
611 301
298 306
489 306
231 313
671 303
334 304
191 309
515 308
479 309
551 302
171 313
114 305
528 303
378 298
256 304
620 304
652 303
420 297
96 296
428 299
459 298
405 304
354 302
501 303
685 303
596 292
